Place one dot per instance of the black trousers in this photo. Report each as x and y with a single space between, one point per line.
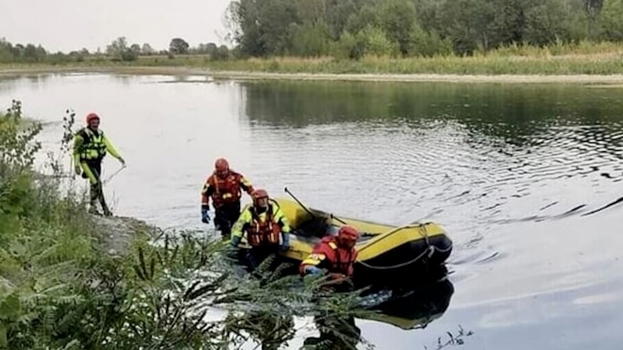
92 170
256 255
225 216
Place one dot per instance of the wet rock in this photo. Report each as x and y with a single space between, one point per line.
115 233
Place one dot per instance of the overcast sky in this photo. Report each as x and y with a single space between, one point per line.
67 25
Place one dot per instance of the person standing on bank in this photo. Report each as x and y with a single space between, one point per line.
90 147
224 187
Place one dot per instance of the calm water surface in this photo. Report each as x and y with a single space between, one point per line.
527 179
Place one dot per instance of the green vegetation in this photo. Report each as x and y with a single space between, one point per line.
558 59
566 59
407 28
60 288
382 37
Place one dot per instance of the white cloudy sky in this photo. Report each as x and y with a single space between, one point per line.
67 25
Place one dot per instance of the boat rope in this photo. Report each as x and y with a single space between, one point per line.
429 251
386 235
425 234
426 251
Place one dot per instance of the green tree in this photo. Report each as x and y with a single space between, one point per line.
262 27
33 53
367 16
136 48
467 24
146 49
337 15
117 47
120 51
376 42
425 43
612 20
310 39
221 53
349 47
178 46
593 9
398 20
552 21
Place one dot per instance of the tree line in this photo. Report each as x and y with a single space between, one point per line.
118 50
353 28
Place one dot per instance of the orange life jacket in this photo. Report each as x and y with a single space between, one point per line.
338 260
263 232
226 190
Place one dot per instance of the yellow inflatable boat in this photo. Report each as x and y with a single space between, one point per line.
388 254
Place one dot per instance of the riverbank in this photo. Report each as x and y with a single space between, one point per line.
610 80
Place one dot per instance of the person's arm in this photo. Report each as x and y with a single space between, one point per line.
312 265
285 229
351 266
78 142
246 185
206 192
112 150
237 231
282 220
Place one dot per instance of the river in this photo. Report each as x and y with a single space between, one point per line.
526 178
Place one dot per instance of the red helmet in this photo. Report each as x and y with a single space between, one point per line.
221 164
92 116
258 194
348 234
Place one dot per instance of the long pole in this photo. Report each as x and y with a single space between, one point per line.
309 211
299 202
114 174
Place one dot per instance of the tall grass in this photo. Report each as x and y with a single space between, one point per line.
584 57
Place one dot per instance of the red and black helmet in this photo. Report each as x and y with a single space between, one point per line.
221 164
259 194
92 116
348 234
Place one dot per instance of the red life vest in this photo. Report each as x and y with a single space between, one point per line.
263 232
226 190
339 260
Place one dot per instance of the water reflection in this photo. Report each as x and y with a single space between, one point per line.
416 307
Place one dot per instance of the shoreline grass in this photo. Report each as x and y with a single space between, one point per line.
583 62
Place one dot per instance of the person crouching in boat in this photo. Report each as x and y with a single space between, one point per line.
224 187
266 227
334 255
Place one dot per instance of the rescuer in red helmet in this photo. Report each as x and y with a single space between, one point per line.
334 255
224 188
90 147
265 226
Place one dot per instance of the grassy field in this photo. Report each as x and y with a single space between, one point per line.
579 59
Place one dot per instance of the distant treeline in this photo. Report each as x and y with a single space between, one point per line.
354 28
117 50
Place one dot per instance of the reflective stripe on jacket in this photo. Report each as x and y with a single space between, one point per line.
227 190
91 145
328 255
262 229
